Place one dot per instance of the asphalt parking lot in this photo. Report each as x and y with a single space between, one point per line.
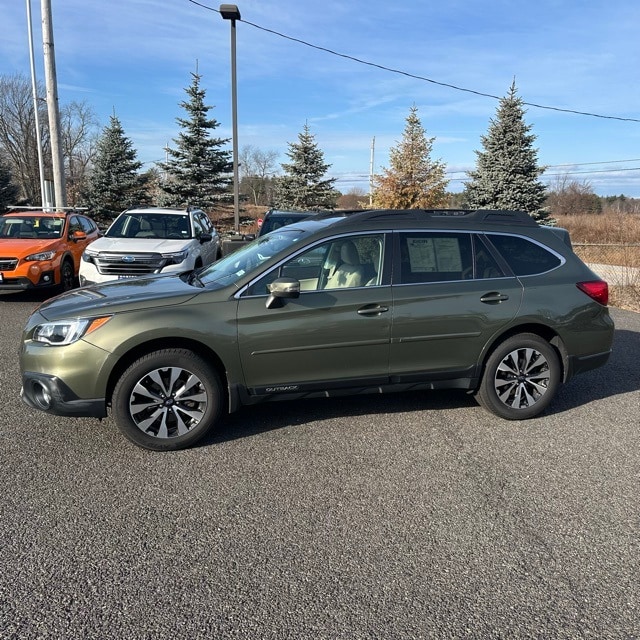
404 516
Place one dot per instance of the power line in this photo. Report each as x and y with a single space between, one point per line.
417 77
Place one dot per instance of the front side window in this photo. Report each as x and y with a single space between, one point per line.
204 222
524 256
74 225
198 229
341 263
87 224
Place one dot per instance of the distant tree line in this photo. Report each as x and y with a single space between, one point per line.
103 172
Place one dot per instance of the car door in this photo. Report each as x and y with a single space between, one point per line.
77 246
450 296
326 338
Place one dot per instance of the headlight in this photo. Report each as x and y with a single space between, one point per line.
66 332
88 256
177 257
40 257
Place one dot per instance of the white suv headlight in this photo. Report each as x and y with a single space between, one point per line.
176 257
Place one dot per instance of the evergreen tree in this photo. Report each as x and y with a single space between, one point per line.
413 180
507 171
197 170
302 186
114 183
8 190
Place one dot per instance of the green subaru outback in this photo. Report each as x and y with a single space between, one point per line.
341 303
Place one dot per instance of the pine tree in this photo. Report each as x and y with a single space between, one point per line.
114 183
8 190
303 187
198 169
413 180
507 171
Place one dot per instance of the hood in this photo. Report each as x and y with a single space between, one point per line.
21 247
119 296
138 245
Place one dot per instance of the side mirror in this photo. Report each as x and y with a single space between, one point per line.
280 289
205 237
78 235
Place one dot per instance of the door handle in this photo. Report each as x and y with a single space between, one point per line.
495 297
372 310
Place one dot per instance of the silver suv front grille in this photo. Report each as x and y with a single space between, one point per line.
129 264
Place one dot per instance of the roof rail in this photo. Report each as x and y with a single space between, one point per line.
50 209
520 218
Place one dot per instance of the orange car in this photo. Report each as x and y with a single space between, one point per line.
39 250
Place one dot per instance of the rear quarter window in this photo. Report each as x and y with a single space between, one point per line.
524 256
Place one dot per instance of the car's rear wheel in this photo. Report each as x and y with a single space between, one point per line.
167 400
67 276
521 377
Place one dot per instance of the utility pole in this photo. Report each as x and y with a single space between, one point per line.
51 82
373 146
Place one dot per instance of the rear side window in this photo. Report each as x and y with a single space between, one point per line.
435 257
525 257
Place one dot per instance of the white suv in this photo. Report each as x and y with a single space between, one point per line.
151 240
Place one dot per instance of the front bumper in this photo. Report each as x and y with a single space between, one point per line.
22 283
51 395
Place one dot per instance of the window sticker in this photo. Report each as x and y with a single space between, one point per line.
434 254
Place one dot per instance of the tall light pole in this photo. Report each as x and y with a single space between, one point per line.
231 12
36 115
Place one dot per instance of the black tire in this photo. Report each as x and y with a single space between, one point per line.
520 378
167 400
67 276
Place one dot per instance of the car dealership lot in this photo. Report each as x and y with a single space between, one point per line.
409 515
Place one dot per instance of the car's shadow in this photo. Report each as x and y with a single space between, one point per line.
31 295
271 416
619 376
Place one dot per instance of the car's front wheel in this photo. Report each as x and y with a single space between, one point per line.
521 377
167 400
67 276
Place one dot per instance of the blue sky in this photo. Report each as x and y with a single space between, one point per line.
135 57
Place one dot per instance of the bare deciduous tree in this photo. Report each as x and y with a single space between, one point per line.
79 127
257 170
568 197
19 143
18 139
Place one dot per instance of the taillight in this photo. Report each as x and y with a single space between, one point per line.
596 289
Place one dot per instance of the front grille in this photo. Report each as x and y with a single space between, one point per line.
129 264
8 264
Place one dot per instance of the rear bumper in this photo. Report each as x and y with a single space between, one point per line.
580 364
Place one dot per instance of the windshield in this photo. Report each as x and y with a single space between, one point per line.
31 227
149 225
248 258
